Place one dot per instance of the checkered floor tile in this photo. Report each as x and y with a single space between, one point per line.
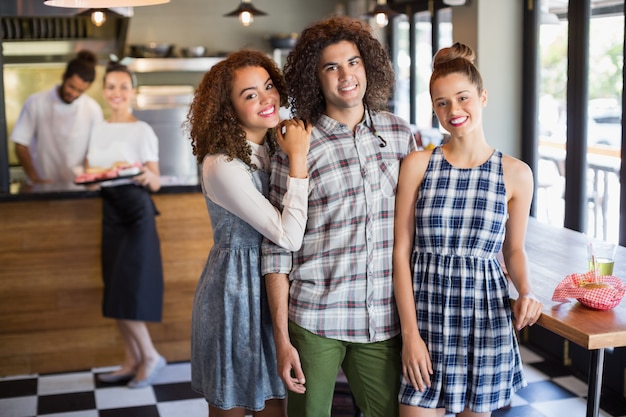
551 392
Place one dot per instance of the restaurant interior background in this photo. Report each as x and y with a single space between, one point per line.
553 68
570 131
563 73
201 22
604 117
567 78
554 50
38 40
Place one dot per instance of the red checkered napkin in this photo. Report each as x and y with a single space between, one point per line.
598 298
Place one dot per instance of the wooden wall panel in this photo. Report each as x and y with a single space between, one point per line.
51 287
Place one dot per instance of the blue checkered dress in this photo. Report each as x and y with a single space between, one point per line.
461 293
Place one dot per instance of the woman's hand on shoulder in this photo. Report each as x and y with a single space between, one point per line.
294 138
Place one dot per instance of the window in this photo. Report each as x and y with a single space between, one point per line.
416 37
599 136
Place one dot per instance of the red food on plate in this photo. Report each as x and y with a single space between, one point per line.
118 170
603 295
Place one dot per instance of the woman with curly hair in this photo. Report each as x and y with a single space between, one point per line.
336 308
234 127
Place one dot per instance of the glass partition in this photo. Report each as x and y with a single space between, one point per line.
604 125
412 97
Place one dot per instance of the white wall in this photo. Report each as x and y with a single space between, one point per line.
493 28
201 22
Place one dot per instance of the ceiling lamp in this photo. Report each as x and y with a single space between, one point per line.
382 13
246 12
98 17
102 4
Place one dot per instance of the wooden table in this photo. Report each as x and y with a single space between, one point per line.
553 253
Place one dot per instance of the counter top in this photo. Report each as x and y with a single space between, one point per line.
47 192
553 254
51 282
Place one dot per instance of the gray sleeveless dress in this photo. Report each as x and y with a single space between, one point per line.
233 357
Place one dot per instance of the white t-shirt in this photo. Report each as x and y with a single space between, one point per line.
229 184
56 133
122 142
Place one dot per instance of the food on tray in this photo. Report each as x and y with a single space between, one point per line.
119 169
588 281
603 295
593 285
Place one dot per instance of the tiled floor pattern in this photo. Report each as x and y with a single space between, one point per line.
551 392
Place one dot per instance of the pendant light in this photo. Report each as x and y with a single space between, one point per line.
246 12
98 17
382 13
102 4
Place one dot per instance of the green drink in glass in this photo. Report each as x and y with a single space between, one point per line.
600 257
604 266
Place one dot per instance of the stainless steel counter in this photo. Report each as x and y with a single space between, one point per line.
143 65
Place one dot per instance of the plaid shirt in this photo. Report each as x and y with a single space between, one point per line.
341 285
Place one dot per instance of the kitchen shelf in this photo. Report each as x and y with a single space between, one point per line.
140 65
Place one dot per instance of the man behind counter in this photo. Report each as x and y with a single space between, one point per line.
52 132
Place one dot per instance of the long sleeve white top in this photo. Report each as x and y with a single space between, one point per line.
230 185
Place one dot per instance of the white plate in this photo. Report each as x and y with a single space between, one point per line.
129 171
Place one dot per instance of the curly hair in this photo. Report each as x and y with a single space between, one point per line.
301 68
212 121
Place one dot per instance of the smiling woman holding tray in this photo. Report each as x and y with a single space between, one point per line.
131 257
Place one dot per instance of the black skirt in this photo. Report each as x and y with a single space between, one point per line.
131 255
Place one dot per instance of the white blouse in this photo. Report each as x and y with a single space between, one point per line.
122 142
229 184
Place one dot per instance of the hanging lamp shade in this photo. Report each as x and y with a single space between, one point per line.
102 4
382 13
246 12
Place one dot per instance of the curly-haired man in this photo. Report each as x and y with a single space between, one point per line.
332 301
